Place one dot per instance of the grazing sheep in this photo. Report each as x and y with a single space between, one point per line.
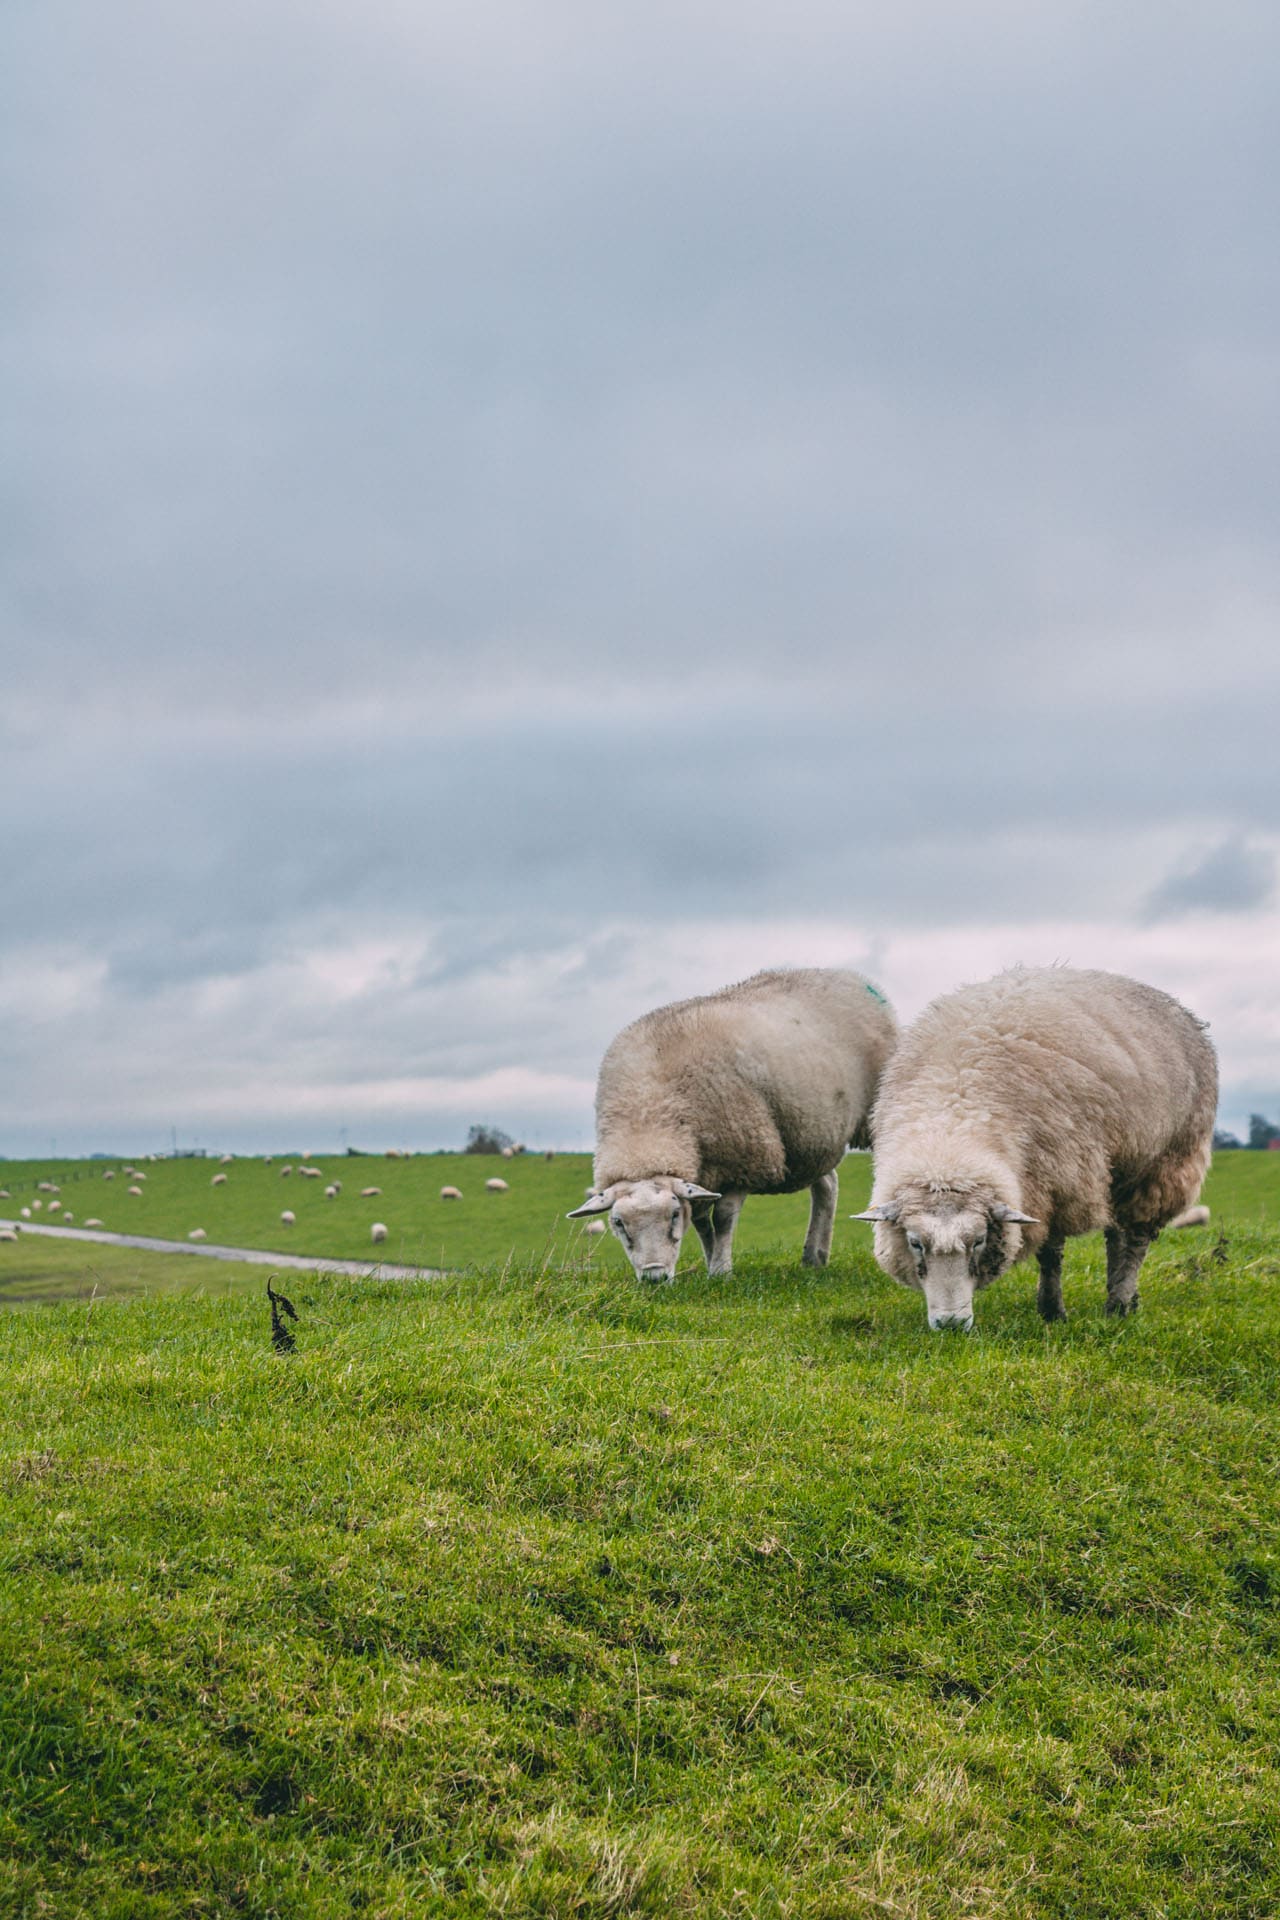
549 1154
331 1193
25 1212
1041 1104
93 1223
311 1173
55 1206
1191 1217
218 1180
285 1170
759 1088
508 1153
370 1193
5 1194
496 1186
286 1218
594 1226
136 1191
377 1232
45 1186
451 1193
67 1218
8 1233
109 1174
268 1159
226 1159
337 1186
37 1206
196 1233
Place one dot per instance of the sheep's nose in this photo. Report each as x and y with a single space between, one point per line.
654 1275
951 1322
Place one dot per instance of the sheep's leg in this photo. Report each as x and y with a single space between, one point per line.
1126 1251
822 1219
704 1228
1049 1295
724 1218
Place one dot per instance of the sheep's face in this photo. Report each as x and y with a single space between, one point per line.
650 1218
948 1251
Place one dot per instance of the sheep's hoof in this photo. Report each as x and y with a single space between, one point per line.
1122 1308
808 1259
1050 1314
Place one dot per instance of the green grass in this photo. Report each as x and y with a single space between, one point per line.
42 1271
481 1229
530 1593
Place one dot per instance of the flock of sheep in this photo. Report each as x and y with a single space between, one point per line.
1010 1116
1043 1103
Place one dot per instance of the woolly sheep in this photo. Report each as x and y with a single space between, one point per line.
451 1193
55 1206
370 1193
45 1186
1191 1217
67 1218
196 1233
331 1193
226 1159
759 1088
594 1226
139 1176
8 1233
377 1231
549 1154
286 1218
136 1191
337 1186
37 1206
285 1169
25 1212
109 1174
1038 1105
496 1186
93 1223
5 1194
218 1180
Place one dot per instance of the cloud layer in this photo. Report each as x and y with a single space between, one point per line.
525 513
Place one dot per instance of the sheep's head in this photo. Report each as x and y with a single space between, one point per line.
650 1217
948 1246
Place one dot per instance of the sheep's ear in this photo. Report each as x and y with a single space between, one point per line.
692 1192
877 1213
594 1203
1012 1217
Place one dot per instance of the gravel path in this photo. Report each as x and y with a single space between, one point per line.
252 1256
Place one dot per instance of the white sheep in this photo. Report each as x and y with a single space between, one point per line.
594 1226
93 1223
25 1212
331 1193
311 1173
370 1193
226 1159
1041 1104
451 1193
37 1206
496 1186
67 1218
1191 1217
287 1219
286 1169
55 1206
377 1232
5 1194
135 1191
218 1180
759 1088
8 1233
337 1186
110 1174
196 1233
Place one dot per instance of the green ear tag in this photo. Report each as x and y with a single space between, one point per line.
875 993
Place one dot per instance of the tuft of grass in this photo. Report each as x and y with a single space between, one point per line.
527 1592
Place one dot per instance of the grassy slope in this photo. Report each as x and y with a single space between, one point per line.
483 1228
528 1593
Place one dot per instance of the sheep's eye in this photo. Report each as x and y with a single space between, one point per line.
618 1228
915 1243
980 1243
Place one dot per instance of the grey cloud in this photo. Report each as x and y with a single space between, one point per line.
1230 878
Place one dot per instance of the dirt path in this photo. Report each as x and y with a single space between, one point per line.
252 1256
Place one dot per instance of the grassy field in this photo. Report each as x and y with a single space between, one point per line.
530 1593
423 1230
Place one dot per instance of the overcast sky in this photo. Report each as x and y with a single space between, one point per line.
514 513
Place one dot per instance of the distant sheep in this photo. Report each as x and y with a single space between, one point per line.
67 1218
285 1169
311 1173
760 1088
370 1193
5 1194
331 1193
451 1193
508 1153
496 1186
45 1186
1041 1104
549 1154
1191 1217
337 1186
136 1191
218 1180
109 1174
25 1212
196 1233
377 1232
55 1206
226 1159
139 1176
93 1223
37 1206
8 1233
594 1226
286 1218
